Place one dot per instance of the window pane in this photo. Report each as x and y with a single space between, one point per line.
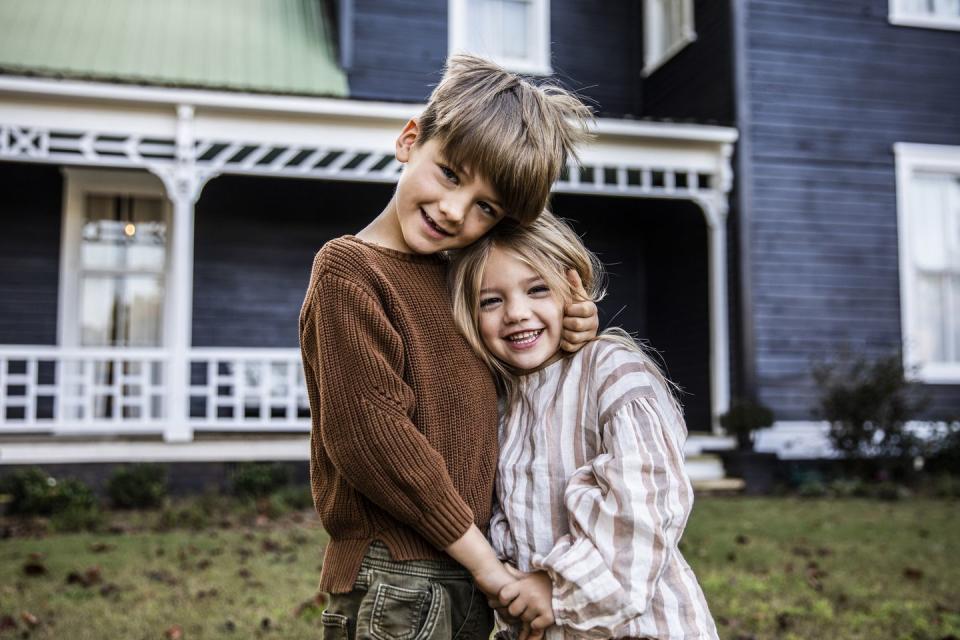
98 311
143 311
946 8
123 232
928 221
516 29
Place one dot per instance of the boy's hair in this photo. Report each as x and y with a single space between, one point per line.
516 134
549 246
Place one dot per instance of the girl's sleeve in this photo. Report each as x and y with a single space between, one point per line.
627 509
501 538
365 406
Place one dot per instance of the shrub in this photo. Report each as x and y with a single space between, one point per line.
139 486
297 497
78 518
33 492
743 419
259 479
867 403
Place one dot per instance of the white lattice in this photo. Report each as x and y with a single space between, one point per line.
305 161
255 389
92 389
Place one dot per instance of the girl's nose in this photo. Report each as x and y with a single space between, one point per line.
516 311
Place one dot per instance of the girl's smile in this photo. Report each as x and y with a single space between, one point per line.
520 317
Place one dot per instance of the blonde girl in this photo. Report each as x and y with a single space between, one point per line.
592 496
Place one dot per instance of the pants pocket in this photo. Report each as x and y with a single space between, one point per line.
406 609
335 626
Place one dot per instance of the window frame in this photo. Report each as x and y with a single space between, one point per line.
899 16
689 35
539 64
77 184
910 158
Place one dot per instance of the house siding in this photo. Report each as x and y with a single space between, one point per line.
255 239
697 83
831 86
400 46
31 209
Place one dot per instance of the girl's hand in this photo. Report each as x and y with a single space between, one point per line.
580 319
530 599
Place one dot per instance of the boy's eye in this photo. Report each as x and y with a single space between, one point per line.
449 174
486 208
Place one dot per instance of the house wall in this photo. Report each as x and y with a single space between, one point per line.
31 211
399 47
697 83
255 239
831 86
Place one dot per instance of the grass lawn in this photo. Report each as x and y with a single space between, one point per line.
771 568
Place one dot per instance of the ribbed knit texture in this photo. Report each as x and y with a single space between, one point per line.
403 446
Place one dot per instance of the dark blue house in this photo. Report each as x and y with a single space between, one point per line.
771 181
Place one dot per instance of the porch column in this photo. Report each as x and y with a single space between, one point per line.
716 215
184 182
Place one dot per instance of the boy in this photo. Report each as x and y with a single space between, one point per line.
404 436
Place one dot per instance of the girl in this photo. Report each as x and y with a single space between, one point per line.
592 493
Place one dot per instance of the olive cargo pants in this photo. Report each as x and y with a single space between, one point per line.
411 600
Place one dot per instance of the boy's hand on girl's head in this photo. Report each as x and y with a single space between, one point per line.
530 600
580 320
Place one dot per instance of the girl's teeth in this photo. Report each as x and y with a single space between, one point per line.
527 336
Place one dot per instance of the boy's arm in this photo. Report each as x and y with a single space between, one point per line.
365 425
580 319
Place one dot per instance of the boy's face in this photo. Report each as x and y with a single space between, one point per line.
440 207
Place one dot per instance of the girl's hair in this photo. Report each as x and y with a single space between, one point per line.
549 246
516 132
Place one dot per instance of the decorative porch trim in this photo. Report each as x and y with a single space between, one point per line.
188 137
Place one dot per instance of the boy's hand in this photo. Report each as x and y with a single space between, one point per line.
530 600
580 320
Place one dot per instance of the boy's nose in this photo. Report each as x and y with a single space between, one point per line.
454 210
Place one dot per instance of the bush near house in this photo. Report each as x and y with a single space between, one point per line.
259 479
141 486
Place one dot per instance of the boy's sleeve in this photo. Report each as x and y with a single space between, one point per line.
365 424
627 509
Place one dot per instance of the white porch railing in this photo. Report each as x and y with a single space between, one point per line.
45 389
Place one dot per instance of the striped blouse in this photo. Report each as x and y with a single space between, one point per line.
591 488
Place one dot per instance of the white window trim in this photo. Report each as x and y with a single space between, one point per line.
77 183
897 15
911 157
540 65
688 36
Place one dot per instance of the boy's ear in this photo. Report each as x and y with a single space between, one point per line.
408 137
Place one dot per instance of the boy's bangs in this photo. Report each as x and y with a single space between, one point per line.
516 169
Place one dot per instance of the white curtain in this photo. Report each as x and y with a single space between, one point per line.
934 232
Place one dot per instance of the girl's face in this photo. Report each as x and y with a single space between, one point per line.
520 317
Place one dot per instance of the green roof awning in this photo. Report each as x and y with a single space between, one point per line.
268 46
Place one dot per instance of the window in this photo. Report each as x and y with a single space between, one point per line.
667 28
935 14
115 260
514 33
928 200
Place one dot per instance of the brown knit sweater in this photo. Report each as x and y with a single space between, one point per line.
403 446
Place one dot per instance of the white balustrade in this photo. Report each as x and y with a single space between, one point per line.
46 389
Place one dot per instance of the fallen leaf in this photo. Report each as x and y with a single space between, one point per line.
244 573
7 623
109 589
30 619
265 624
100 547
204 564
174 633
34 568
742 539
783 621
162 576
88 578
912 573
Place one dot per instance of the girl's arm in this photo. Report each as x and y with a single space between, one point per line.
627 510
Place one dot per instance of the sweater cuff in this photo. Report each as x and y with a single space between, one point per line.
447 521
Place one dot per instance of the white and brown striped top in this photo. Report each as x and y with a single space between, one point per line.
591 488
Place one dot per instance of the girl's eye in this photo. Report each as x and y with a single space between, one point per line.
448 173
540 288
488 302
